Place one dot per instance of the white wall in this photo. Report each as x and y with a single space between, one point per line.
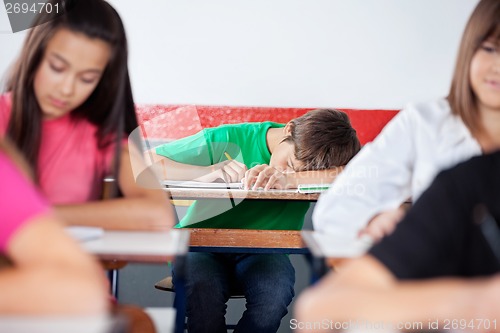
337 53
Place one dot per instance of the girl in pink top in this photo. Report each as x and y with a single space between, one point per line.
48 267
69 110
19 202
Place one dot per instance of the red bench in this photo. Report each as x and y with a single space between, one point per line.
175 121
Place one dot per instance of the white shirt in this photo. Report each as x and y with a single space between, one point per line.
400 163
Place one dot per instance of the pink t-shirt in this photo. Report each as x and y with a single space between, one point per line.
19 201
71 168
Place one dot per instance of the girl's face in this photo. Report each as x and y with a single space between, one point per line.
70 70
485 75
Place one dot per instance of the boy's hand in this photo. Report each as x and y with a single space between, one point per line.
264 176
383 224
228 171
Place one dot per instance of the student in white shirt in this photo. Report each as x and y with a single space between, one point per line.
438 271
422 140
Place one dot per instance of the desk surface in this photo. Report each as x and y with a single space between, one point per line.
204 193
138 246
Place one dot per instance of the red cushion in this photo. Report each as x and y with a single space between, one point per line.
176 121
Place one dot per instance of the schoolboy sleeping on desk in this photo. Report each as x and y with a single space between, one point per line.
309 149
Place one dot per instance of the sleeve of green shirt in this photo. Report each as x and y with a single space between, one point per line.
202 148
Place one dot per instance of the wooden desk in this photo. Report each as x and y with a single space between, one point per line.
243 240
116 248
246 241
149 247
178 193
136 246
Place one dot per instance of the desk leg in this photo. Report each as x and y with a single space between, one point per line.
112 267
113 281
180 293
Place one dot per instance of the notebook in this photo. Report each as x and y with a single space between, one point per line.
195 184
312 188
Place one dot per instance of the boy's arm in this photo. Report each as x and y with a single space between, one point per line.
200 157
326 176
166 168
268 177
145 206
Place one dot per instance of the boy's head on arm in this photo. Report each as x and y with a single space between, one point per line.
322 139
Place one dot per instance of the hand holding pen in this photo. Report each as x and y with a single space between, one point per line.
228 171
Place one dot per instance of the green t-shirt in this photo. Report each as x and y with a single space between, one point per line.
245 143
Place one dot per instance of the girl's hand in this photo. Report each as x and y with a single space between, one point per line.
230 171
266 177
383 224
485 298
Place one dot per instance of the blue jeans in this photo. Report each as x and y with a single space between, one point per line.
266 280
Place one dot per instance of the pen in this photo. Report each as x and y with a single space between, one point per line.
229 158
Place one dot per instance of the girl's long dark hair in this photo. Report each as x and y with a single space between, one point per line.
110 107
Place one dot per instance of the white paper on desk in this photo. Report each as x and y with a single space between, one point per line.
195 184
336 246
82 233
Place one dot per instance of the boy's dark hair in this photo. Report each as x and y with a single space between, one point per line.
323 139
